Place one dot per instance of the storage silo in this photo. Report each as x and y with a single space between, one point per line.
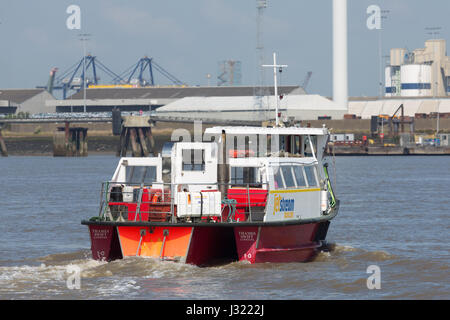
392 81
388 81
416 80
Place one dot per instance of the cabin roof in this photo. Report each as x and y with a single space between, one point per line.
274 131
258 161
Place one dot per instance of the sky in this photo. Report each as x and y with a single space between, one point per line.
189 38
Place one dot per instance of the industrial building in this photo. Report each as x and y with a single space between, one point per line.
418 79
24 100
365 108
299 107
150 98
225 103
422 72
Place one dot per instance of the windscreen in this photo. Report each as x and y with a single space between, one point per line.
288 176
141 174
243 176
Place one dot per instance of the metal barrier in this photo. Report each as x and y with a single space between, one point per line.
138 202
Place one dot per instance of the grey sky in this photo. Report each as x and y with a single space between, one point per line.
188 38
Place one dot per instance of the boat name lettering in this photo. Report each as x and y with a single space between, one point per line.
247 236
100 233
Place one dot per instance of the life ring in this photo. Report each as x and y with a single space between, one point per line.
155 198
241 153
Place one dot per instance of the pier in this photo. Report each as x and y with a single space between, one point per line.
136 132
70 142
67 141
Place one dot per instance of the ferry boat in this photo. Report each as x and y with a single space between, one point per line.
254 194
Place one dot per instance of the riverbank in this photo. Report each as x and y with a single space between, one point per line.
37 140
43 145
107 145
391 151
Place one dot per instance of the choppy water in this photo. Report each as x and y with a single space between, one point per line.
394 214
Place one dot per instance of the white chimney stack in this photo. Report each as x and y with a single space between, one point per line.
340 50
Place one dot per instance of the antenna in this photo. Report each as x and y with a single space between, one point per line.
275 82
84 37
259 89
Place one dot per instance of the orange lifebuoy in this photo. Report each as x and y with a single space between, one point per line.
241 153
155 198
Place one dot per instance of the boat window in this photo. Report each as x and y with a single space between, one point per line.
287 175
278 180
307 146
140 174
166 151
311 176
193 160
283 143
299 176
244 176
297 149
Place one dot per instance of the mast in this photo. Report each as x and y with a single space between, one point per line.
275 81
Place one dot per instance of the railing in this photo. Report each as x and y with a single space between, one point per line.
139 202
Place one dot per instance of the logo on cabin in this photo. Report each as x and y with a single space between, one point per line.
285 206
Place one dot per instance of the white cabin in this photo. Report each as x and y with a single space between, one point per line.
274 174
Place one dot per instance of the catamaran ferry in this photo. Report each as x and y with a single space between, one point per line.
255 194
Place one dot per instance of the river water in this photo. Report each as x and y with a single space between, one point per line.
394 216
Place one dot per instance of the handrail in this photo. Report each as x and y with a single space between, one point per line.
138 207
158 202
249 204
112 198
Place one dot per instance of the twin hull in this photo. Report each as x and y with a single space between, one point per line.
211 244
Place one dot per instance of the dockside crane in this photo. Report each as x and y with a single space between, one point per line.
396 123
69 80
73 78
51 80
136 73
400 121
307 80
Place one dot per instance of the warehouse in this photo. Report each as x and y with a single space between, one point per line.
150 98
24 100
299 107
365 108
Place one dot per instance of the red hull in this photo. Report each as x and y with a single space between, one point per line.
297 243
104 242
210 245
